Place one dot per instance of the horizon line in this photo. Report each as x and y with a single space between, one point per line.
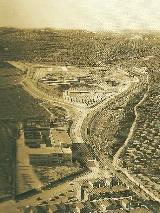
83 29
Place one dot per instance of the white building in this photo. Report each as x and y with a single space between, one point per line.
83 97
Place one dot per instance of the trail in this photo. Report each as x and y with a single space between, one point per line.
132 129
130 135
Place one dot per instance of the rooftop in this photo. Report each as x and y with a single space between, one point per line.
104 202
126 201
67 150
106 189
80 205
100 180
36 123
32 134
49 150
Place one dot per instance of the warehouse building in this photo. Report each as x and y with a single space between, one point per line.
36 133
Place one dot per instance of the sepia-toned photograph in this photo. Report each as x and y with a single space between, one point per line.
80 106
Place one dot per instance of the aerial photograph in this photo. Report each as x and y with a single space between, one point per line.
79 106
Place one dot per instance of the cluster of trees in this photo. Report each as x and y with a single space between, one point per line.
142 154
82 48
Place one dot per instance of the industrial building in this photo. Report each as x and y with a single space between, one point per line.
47 145
33 139
36 133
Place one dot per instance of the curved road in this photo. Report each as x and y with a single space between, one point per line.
77 113
117 155
132 129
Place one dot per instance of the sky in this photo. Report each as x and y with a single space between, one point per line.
81 14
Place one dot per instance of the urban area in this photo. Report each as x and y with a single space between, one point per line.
79 121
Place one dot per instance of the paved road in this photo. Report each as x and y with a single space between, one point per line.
108 166
64 187
76 129
9 207
77 113
26 178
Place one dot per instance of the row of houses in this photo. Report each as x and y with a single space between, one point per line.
107 194
86 207
108 204
110 187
